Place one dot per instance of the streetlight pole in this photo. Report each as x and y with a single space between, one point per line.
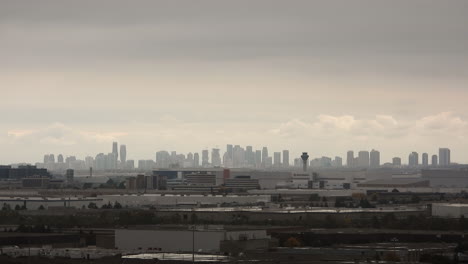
193 239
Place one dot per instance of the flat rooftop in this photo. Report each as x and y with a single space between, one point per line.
299 210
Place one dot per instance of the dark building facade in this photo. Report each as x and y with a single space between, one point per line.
27 171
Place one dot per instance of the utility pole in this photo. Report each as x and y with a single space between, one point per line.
193 241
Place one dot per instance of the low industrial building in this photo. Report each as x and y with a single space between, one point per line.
453 178
156 200
449 210
209 239
395 183
35 203
242 183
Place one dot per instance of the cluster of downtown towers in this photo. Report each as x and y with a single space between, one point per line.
234 157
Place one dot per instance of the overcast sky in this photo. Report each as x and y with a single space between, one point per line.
318 76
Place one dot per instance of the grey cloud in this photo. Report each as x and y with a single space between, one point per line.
420 37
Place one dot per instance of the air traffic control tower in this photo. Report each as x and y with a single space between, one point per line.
304 158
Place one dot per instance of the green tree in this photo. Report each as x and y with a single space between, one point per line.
339 202
415 198
364 203
292 242
117 205
92 206
6 207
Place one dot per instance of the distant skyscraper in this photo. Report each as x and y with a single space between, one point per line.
350 159
258 158
229 150
89 162
60 158
363 159
163 159
250 156
51 158
434 160
238 159
205 158
264 155
444 157
277 159
46 158
413 159
396 161
425 159
123 154
196 160
190 156
130 164
141 164
115 150
286 158
215 158
338 162
100 161
111 162
374 159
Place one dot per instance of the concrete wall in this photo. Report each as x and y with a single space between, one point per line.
157 199
34 204
283 217
449 210
180 240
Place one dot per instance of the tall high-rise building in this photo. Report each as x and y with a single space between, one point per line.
100 161
425 159
130 164
89 162
163 159
238 154
285 158
396 161
229 151
264 155
123 154
258 158
51 158
205 158
115 150
277 159
363 159
374 159
350 159
196 160
215 158
250 156
413 159
60 158
111 161
444 157
434 160
190 156
338 162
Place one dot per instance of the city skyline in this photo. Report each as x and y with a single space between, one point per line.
237 156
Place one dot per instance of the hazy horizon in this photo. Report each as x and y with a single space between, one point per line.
318 76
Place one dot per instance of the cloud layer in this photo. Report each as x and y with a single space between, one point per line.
324 76
324 135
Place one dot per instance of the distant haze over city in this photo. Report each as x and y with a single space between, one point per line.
194 75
